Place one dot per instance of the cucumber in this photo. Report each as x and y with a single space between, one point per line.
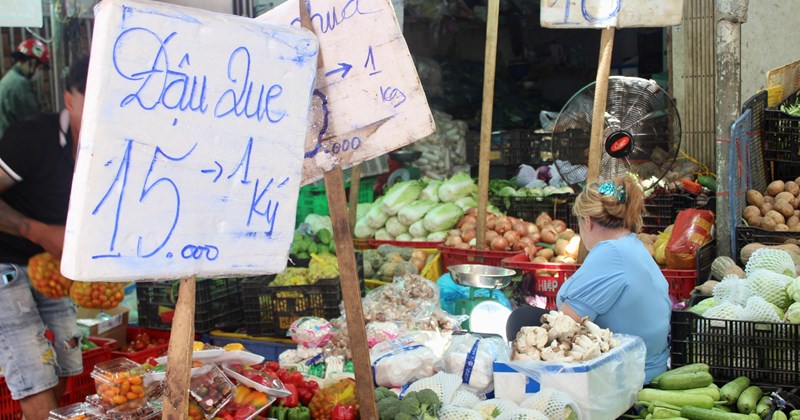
730 392
779 415
695 367
708 182
676 398
794 415
748 399
711 390
697 413
665 413
763 406
724 408
681 381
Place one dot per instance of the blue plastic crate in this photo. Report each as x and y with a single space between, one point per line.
270 350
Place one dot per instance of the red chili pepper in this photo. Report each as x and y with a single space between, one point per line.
312 386
304 395
272 366
295 378
343 412
292 400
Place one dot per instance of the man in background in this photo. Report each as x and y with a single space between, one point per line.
17 97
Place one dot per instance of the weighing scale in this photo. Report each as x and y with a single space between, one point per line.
403 171
486 315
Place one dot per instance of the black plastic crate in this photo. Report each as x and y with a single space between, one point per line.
270 310
747 235
767 353
513 147
218 303
781 142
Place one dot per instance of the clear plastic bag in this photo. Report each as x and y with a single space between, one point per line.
472 357
403 360
409 299
693 229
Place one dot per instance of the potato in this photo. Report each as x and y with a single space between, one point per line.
797 180
792 221
797 213
567 234
755 220
775 188
549 235
777 217
785 196
563 259
754 198
792 187
769 199
795 228
540 260
782 228
766 208
546 253
767 223
750 212
784 208
561 246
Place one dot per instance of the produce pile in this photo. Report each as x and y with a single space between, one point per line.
442 150
45 274
321 242
502 233
768 292
561 339
418 210
778 209
689 392
322 266
387 262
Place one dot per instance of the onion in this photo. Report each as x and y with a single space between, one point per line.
517 246
454 232
511 236
532 228
559 225
536 237
490 235
453 241
526 242
499 244
467 226
473 211
470 219
543 219
491 222
520 228
502 225
463 246
468 235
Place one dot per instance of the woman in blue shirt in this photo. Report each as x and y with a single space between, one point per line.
619 286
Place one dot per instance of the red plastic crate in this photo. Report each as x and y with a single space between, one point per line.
142 356
455 256
81 386
681 282
549 276
78 387
374 243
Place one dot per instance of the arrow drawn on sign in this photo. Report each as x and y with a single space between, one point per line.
344 68
211 171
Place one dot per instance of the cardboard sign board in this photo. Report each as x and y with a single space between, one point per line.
610 13
191 145
367 88
21 13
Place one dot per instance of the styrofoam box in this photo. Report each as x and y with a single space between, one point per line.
603 388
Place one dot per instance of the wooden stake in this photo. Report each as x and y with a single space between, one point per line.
355 188
600 98
348 275
179 355
486 119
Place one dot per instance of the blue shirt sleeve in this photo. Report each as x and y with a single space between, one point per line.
597 285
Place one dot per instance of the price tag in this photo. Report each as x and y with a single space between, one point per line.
610 13
191 146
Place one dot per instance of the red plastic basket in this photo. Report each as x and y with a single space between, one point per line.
549 276
681 282
374 243
78 387
455 256
142 356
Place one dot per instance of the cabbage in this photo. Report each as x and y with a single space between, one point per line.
770 286
437 236
317 222
415 211
507 192
418 230
459 185
535 192
382 235
565 190
775 260
362 210
401 195
431 191
405 237
793 313
793 289
394 227
549 190
362 229
703 306
376 218
467 202
442 217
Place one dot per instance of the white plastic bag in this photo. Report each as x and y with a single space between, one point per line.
471 358
405 359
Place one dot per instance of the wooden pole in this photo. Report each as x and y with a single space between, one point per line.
600 98
355 188
179 355
486 119
348 275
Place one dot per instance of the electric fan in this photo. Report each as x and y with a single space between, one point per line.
641 133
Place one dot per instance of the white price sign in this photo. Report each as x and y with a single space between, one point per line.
610 13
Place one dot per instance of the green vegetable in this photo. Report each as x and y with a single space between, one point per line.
431 191
442 217
730 392
404 416
388 407
507 191
696 413
437 236
459 185
690 380
695 367
401 195
793 313
279 412
792 109
415 211
376 217
708 182
467 203
794 415
678 398
748 399
394 227
299 413
665 413
325 236
779 415
763 406
362 229
711 390
410 405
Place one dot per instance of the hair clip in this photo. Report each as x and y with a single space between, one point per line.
613 190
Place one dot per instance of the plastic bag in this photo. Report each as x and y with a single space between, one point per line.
409 299
692 230
405 359
471 357
378 332
603 388
660 245
310 331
